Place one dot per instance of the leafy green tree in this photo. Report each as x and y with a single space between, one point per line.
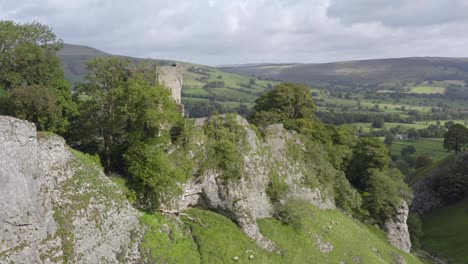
288 101
382 187
389 138
378 123
154 177
121 103
28 59
37 104
456 138
369 153
408 150
28 55
423 161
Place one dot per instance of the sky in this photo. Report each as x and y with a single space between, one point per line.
218 32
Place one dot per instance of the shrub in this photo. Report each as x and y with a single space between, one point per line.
277 188
415 229
423 161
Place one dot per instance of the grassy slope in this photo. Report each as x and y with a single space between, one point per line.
213 238
222 240
449 240
430 146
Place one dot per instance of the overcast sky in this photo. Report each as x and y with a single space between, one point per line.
217 32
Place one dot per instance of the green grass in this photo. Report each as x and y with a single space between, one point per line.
429 146
168 241
427 90
445 232
222 240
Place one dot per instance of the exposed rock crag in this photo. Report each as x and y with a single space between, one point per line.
247 200
56 209
397 229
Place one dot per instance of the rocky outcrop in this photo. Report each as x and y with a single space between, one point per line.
58 207
397 229
246 200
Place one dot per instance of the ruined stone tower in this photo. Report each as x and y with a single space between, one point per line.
171 77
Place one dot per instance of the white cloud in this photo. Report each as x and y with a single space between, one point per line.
241 31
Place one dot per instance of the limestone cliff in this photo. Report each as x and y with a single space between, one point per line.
246 200
397 229
56 206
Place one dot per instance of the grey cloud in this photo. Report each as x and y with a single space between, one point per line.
242 31
399 13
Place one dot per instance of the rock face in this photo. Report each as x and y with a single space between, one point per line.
247 200
56 208
397 229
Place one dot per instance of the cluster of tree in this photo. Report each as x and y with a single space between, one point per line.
119 112
196 109
452 182
214 84
339 118
365 162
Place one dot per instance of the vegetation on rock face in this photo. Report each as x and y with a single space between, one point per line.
225 144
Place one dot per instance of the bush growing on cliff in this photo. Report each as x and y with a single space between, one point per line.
226 141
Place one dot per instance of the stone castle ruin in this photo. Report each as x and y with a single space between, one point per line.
171 77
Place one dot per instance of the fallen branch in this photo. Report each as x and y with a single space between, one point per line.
179 214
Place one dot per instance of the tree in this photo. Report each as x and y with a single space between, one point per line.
28 59
408 150
154 178
28 55
369 153
378 123
456 138
389 138
37 104
121 103
423 161
288 101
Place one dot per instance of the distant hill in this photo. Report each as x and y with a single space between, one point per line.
206 89
74 59
372 73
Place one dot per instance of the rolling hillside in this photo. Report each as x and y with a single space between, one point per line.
206 89
374 73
